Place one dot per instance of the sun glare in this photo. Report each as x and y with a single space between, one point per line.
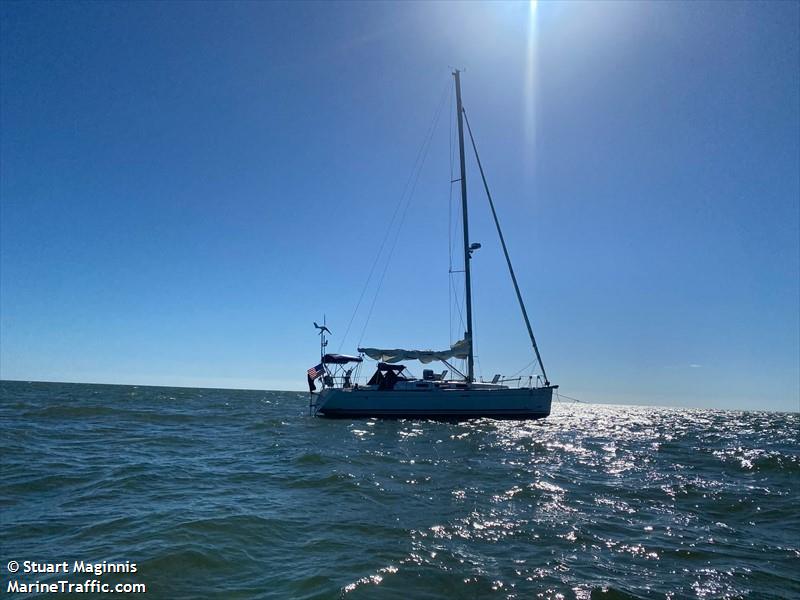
530 81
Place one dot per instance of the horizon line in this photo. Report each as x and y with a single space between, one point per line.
188 387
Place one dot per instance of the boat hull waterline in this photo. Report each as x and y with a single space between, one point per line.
442 404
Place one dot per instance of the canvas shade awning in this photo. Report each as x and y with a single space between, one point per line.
458 350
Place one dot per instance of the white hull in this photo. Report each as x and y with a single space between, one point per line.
438 403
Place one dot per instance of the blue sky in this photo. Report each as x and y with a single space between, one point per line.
186 186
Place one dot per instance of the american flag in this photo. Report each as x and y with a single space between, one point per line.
317 371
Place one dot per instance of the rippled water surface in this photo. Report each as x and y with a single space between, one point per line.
239 494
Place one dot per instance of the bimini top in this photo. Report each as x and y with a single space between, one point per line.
340 359
458 350
387 367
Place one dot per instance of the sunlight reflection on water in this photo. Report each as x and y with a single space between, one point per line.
202 485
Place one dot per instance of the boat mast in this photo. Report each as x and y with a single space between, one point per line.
467 250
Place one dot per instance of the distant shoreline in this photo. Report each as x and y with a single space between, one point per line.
148 385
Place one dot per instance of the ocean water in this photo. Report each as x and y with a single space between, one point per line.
240 494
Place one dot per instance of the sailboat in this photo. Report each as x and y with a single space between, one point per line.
392 392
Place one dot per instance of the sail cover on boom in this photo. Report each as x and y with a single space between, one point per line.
340 359
458 350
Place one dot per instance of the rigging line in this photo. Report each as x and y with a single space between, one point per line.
453 226
452 223
450 268
505 251
372 269
572 404
426 146
457 304
571 398
523 368
385 238
450 189
449 279
449 223
388 259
